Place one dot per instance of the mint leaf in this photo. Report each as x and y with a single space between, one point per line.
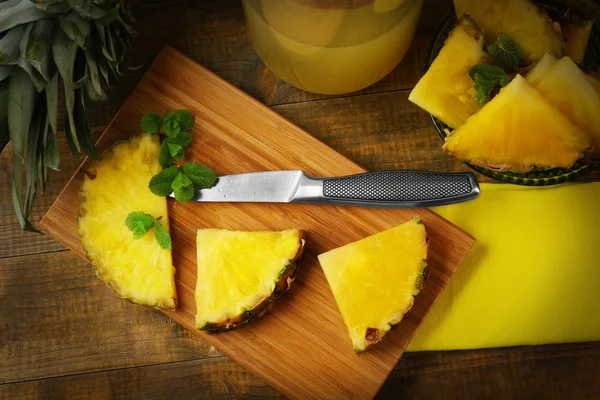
171 127
165 159
162 236
183 139
139 223
184 118
151 122
202 177
487 78
506 52
161 183
175 150
183 187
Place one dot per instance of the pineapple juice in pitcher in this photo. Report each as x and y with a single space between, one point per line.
332 46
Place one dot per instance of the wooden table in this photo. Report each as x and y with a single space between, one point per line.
64 334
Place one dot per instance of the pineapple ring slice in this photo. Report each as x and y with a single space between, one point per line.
242 274
137 270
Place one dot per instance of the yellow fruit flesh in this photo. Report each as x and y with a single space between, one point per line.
576 39
374 280
567 89
523 21
535 75
446 90
237 271
138 270
518 130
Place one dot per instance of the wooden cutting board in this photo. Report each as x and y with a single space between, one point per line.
302 348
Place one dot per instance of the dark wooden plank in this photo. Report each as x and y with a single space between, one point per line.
550 372
216 378
57 318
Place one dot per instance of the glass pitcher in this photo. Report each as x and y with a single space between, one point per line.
332 46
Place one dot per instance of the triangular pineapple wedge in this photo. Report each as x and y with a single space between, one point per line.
242 274
522 20
446 90
138 270
518 130
567 89
374 280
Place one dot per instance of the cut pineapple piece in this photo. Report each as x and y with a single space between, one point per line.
567 89
523 21
577 35
446 90
518 130
374 280
535 75
242 274
138 270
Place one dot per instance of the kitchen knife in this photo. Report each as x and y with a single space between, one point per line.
388 189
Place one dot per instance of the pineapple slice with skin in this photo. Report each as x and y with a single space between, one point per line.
242 274
137 270
518 130
565 86
374 280
576 36
522 20
446 90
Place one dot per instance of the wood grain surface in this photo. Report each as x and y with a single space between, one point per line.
303 348
62 335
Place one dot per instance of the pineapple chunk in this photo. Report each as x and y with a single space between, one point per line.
242 274
535 75
446 90
523 21
374 280
138 270
576 37
567 89
518 130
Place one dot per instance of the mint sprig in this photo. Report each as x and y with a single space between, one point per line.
139 223
506 52
178 177
487 78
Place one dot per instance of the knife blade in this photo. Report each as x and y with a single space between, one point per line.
387 189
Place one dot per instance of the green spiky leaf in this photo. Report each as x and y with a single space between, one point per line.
4 134
39 49
22 217
18 12
34 151
52 101
21 102
75 27
37 79
9 45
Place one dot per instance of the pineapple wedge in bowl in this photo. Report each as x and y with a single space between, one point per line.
446 90
375 280
138 270
494 137
242 274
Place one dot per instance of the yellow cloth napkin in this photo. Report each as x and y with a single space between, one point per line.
533 276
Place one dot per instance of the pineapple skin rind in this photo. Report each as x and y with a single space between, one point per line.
374 335
286 277
90 174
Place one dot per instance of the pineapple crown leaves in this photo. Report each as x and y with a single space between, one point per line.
182 179
139 223
82 43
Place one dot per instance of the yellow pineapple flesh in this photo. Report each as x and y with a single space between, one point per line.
138 270
374 280
568 90
518 130
522 20
242 274
446 90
